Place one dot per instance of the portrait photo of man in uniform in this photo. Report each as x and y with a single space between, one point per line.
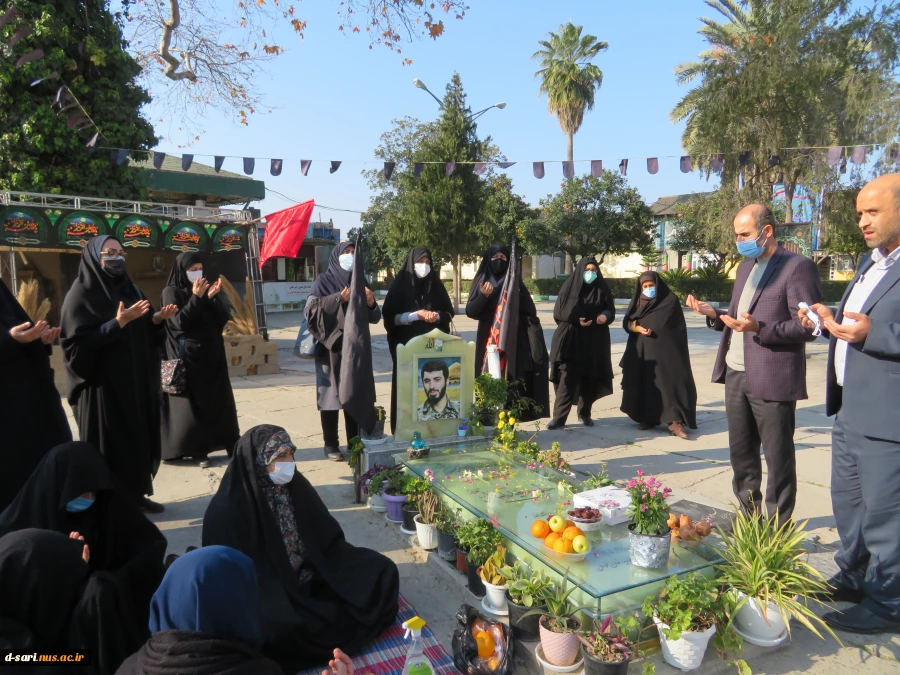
438 386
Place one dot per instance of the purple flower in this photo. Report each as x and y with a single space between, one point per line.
643 507
640 473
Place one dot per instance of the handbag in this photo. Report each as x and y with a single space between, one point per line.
174 373
306 346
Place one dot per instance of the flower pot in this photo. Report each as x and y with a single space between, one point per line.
409 514
462 431
377 504
476 585
648 550
523 629
595 666
496 595
446 546
394 504
427 534
461 563
560 649
685 653
752 625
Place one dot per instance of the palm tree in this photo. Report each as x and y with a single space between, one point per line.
568 77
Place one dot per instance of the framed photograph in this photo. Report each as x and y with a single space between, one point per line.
438 388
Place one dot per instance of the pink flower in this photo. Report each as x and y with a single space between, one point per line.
643 507
652 492
631 484
640 473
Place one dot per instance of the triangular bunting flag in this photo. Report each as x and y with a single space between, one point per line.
774 160
304 166
186 161
158 159
687 164
417 169
744 159
75 119
652 165
538 169
596 168
505 165
51 76
33 55
249 165
23 32
275 168
450 168
389 170
11 14
334 167
833 156
623 167
218 161
121 156
568 169
859 154
717 163
480 168
93 142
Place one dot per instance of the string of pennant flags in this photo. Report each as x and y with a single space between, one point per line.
835 156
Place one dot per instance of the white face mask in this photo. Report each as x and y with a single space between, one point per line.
346 261
193 276
283 473
422 270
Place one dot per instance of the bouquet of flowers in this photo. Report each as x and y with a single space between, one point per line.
648 511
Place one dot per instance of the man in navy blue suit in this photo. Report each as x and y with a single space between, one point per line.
863 392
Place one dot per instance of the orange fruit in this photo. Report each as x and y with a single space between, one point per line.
571 532
563 545
551 539
486 644
540 529
493 664
569 524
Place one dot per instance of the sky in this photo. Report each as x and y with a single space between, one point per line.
332 98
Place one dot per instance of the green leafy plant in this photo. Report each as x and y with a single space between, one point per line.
609 642
479 539
709 273
414 487
598 480
446 520
765 560
553 458
526 587
559 611
391 481
648 510
694 604
678 274
491 569
490 397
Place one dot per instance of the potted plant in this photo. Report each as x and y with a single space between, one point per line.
525 590
463 429
765 567
688 612
558 625
447 526
372 483
426 529
494 581
393 492
607 650
490 397
413 488
479 539
648 530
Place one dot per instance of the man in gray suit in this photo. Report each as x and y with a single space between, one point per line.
762 360
863 392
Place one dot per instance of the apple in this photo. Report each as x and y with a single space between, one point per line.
557 523
580 544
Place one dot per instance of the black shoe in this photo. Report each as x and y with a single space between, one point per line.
839 592
555 425
147 505
334 454
587 421
860 620
645 426
203 464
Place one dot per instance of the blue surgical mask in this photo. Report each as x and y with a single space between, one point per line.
79 504
649 292
590 276
346 261
283 473
751 247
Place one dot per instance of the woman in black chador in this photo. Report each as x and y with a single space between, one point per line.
31 412
580 356
73 493
319 593
657 382
204 417
110 339
531 351
416 303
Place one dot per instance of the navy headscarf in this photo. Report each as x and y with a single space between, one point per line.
211 590
335 278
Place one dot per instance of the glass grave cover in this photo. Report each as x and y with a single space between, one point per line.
512 492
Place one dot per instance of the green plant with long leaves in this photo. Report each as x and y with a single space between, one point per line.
490 397
568 77
766 560
597 480
429 504
559 611
479 539
525 586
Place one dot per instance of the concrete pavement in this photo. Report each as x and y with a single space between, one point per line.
698 466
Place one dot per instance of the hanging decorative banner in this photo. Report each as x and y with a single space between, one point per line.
52 76
334 167
480 168
774 160
744 159
33 55
228 239
417 169
23 227
505 165
186 237
717 163
285 231
121 156
451 167
23 32
652 165
218 161
186 161
538 169
304 166
249 165
859 155
596 168
388 170
158 159
11 14
93 142
833 156
568 169
623 167
275 168
687 164
136 232
79 227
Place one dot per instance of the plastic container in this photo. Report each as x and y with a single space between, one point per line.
416 661
567 557
612 515
685 653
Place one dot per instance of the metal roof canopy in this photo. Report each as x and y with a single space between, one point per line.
182 212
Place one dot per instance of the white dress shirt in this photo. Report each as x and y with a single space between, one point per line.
861 291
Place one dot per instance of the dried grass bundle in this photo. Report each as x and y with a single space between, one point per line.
29 296
243 310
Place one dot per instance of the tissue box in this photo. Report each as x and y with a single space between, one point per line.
611 515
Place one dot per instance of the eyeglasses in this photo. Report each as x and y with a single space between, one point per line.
113 253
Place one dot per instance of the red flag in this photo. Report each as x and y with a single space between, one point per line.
285 232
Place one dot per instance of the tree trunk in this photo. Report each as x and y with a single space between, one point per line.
570 151
456 273
789 189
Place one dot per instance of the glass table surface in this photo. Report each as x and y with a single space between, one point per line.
512 493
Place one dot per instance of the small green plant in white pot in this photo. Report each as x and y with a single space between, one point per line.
494 580
765 567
